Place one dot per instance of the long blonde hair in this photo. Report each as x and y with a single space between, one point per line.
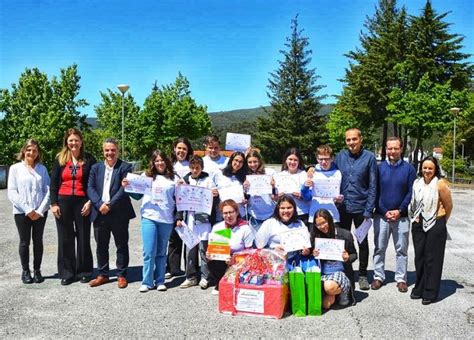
65 154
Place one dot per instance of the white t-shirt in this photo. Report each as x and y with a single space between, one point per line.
181 168
269 233
161 209
241 237
28 188
214 166
222 181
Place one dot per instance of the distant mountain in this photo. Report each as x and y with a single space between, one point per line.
226 118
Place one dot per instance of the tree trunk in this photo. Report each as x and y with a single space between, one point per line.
419 141
384 140
396 132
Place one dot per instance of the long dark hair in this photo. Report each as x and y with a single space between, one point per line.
289 152
289 199
328 217
435 162
241 173
185 141
152 172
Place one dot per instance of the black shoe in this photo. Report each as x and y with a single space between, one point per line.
426 301
414 296
85 279
26 277
67 282
38 278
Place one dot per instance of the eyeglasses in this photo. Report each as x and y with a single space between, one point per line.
324 159
224 213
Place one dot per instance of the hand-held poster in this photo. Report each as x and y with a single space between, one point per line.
138 184
237 141
259 185
329 248
193 198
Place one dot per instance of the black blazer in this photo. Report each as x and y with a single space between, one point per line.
56 179
120 204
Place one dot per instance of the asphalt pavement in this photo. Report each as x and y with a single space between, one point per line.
49 310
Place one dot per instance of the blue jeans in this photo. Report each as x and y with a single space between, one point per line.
400 230
155 236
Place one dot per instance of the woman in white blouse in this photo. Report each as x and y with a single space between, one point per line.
28 190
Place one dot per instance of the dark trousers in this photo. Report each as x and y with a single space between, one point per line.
429 257
72 227
216 271
346 223
175 248
26 227
193 257
104 226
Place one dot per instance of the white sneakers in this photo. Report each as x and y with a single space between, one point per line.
189 283
145 288
215 292
204 284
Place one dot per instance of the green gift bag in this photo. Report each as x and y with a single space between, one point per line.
313 285
298 292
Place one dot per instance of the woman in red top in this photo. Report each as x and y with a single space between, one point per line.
71 208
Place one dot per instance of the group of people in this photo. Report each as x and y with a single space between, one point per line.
82 191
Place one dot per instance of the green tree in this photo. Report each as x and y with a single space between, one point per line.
170 112
426 109
433 66
40 108
371 75
293 120
109 120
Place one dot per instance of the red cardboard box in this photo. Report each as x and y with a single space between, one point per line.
265 300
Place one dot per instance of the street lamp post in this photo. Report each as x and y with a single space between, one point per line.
123 88
454 111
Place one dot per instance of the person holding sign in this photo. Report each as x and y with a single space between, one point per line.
291 181
260 207
284 219
200 223
230 181
182 152
241 238
338 277
214 162
323 184
157 213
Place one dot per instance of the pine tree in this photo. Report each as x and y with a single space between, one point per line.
293 119
372 70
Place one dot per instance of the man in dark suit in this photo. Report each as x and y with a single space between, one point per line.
111 212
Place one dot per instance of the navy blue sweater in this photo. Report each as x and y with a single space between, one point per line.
395 184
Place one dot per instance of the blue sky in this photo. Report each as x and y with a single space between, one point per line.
226 49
